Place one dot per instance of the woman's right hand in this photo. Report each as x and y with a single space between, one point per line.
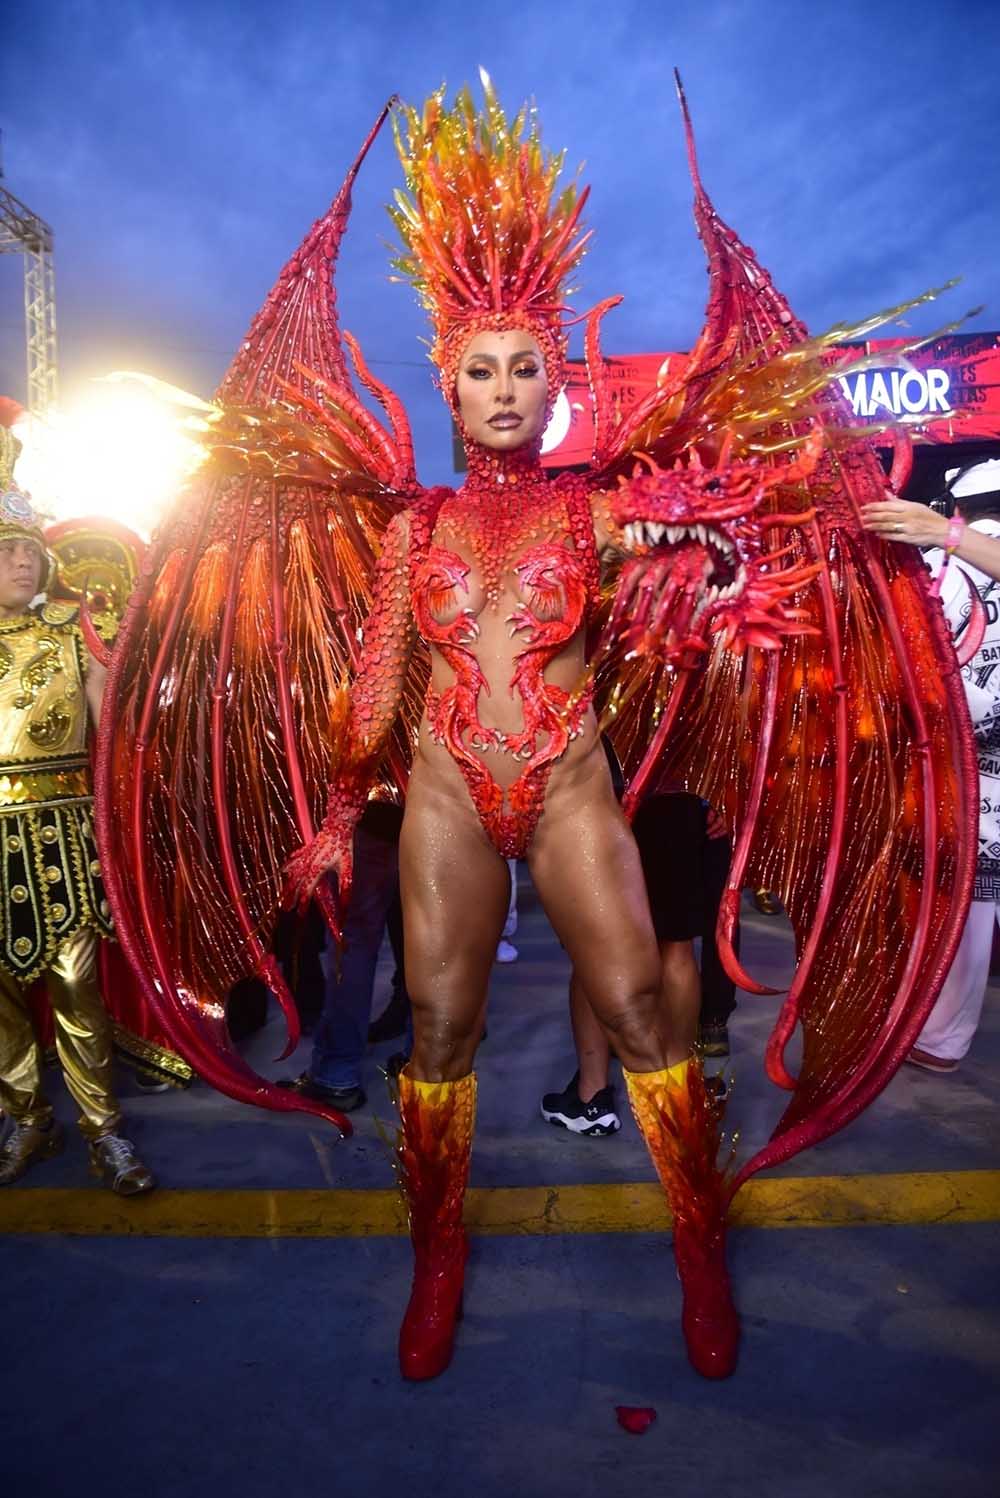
330 852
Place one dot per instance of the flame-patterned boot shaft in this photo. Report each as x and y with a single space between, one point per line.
434 1150
680 1124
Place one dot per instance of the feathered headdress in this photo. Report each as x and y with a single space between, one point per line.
489 239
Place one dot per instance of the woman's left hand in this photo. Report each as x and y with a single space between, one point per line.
902 520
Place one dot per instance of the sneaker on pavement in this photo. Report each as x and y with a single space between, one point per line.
713 1040
146 1082
114 1159
25 1146
568 1111
927 1062
506 951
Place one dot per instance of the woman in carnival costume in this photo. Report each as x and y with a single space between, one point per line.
312 621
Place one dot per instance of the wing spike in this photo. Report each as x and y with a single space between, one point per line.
92 639
692 153
972 639
265 965
788 1017
302 296
744 838
724 930
597 374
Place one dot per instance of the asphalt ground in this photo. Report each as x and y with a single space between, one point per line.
238 1327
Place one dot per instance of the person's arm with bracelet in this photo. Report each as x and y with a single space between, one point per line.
917 525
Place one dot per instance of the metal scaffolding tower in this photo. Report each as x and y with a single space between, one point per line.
24 233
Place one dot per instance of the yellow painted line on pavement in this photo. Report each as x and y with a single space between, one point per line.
637 1207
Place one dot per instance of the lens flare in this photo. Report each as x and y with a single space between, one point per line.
122 450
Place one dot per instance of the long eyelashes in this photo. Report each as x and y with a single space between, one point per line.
524 372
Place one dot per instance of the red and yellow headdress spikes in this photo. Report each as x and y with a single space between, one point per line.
489 239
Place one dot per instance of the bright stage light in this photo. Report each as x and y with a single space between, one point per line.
123 450
559 423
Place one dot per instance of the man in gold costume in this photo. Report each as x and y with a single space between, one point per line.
52 902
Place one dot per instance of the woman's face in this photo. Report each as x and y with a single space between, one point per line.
502 389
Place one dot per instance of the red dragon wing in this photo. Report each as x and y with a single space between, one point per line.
842 756
226 694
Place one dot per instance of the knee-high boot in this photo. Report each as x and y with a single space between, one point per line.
680 1124
434 1150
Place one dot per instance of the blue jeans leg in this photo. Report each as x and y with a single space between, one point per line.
341 1035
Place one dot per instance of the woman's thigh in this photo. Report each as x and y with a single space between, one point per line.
455 889
587 872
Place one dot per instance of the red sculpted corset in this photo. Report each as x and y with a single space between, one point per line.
540 538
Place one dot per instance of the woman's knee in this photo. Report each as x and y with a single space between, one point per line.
636 1027
444 1041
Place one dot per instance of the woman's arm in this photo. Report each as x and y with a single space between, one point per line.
375 697
902 520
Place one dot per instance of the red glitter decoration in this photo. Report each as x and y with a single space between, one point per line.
635 1418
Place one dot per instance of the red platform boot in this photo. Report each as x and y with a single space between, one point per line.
680 1124
434 1149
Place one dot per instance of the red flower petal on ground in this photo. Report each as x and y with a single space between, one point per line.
634 1418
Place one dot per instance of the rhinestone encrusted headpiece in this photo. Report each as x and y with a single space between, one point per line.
488 237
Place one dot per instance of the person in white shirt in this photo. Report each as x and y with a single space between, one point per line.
975 541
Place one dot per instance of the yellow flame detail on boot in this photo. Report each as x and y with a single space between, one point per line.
680 1124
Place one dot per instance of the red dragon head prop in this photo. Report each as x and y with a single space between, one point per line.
701 558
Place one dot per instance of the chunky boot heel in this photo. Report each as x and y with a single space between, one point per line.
427 1335
434 1149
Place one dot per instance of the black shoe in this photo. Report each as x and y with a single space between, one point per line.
344 1099
594 1119
391 1023
713 1040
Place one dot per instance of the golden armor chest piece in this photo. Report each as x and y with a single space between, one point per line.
42 702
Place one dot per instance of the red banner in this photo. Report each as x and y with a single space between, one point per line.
948 391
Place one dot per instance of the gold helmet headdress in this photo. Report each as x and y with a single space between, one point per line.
18 518
489 238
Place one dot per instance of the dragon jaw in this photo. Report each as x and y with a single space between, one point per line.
701 560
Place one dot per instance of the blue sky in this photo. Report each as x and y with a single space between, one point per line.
181 150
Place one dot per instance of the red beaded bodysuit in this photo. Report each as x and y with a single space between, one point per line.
509 523
749 640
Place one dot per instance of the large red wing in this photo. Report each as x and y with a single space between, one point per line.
227 697
845 766
844 762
